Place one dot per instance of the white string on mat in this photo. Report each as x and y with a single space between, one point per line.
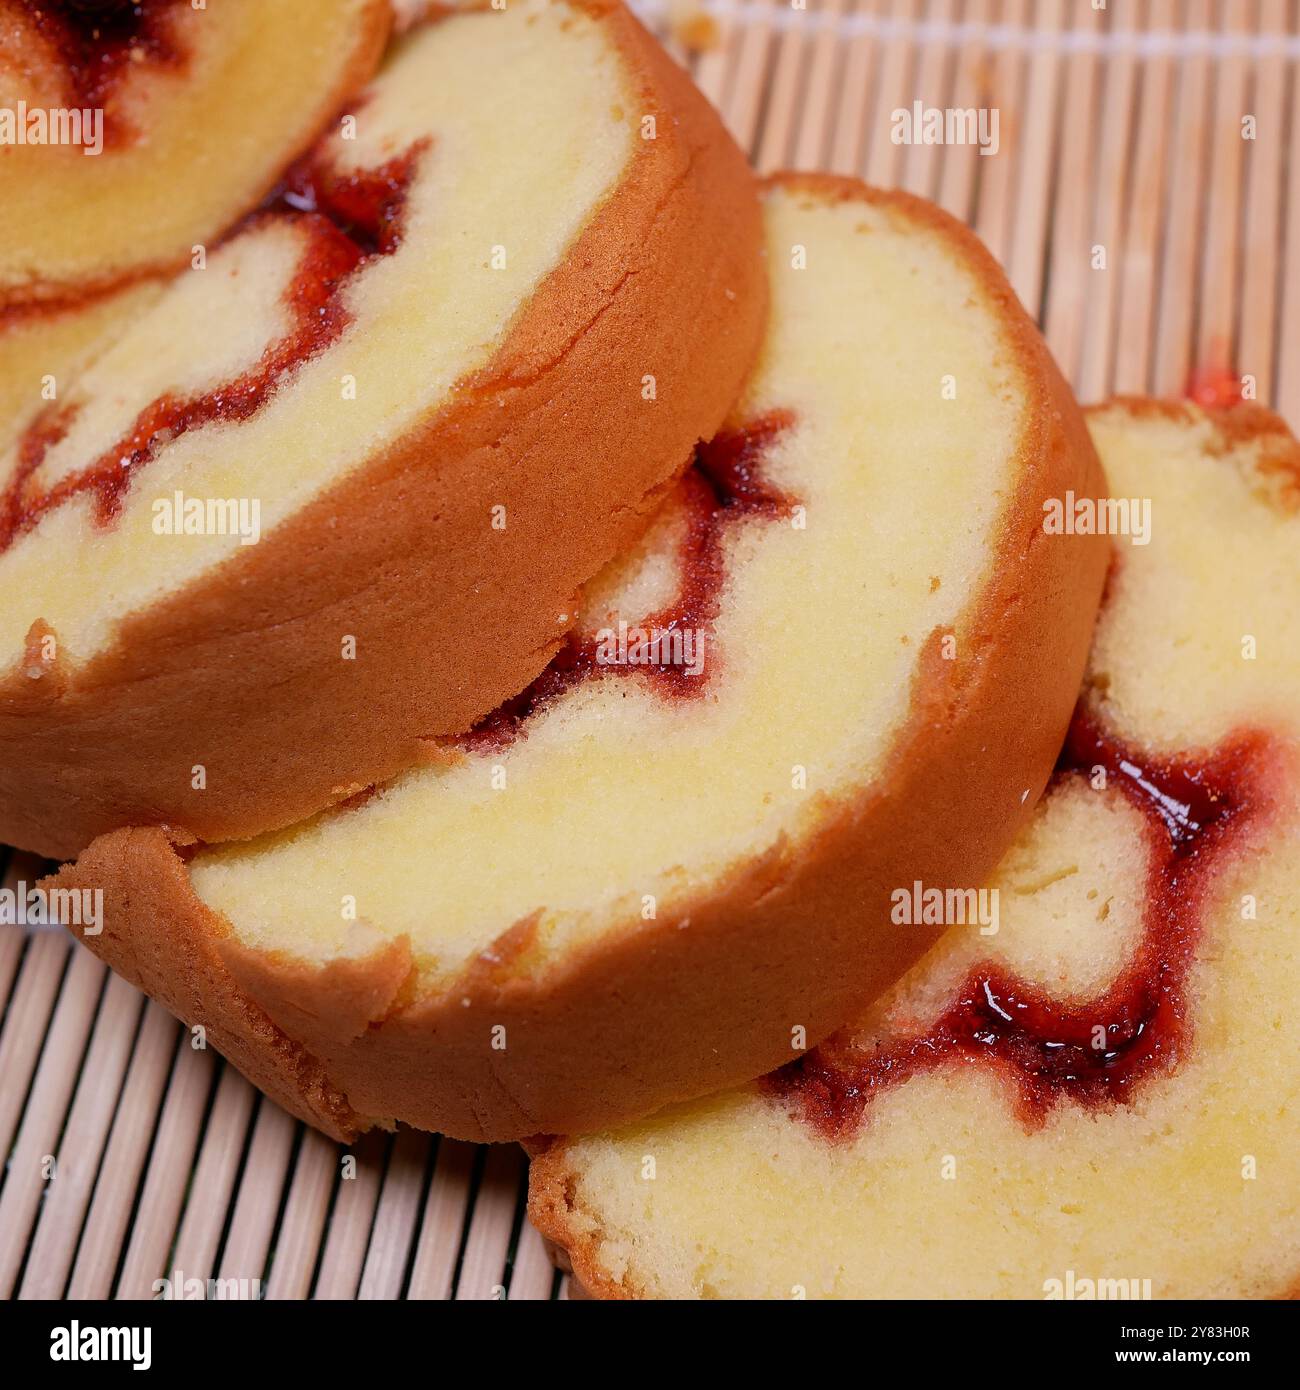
1155 43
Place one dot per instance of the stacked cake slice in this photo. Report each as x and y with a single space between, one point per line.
332 494
531 632
1099 1099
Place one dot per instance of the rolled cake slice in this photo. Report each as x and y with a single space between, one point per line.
1099 1100
140 130
843 658
334 494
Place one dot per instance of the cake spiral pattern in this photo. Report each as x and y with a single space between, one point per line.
451 363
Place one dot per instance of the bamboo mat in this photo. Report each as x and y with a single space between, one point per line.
1158 248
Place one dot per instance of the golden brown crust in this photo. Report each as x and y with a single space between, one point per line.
241 671
1240 421
152 937
550 1209
642 1017
1239 424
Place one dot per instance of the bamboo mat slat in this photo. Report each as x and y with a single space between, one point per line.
1005 77
171 1161
972 62
82 1143
811 148
102 1241
1157 247
1076 206
892 91
1179 281
248 1241
387 1257
1104 228
1263 198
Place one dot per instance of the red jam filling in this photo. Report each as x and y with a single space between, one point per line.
375 201
1213 387
725 484
366 204
99 41
1194 808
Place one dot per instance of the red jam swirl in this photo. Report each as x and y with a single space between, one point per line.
725 484
100 41
1215 388
365 204
1195 809
375 201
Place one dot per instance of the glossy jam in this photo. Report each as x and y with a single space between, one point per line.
725 484
365 204
100 41
1213 387
317 318
1194 809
